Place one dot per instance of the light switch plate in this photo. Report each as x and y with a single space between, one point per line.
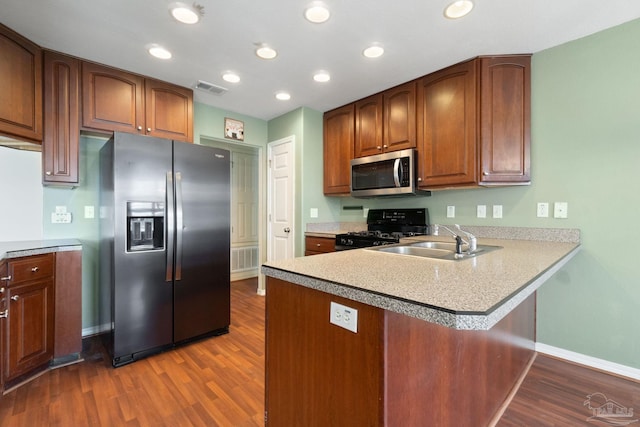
560 210
313 213
451 211
482 211
345 317
497 211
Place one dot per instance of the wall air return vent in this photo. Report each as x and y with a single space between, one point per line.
210 87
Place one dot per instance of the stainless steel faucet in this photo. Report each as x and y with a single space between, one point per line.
471 241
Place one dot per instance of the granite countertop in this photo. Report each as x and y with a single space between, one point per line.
36 247
474 293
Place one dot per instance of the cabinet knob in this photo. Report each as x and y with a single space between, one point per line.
148 129
139 127
4 314
419 179
15 298
1 290
5 278
35 269
385 146
318 244
287 230
485 173
379 148
48 173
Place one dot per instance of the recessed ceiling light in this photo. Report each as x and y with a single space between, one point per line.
158 51
322 76
186 14
265 52
283 96
231 77
317 12
373 51
458 9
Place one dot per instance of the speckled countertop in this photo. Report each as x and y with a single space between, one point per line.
473 293
36 247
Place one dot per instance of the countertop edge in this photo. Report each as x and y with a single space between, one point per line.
460 321
19 249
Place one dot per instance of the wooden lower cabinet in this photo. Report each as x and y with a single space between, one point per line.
318 245
397 371
31 314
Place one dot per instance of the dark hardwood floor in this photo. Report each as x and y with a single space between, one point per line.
220 382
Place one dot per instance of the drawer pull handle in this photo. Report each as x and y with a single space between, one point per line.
15 298
35 269
5 278
318 244
4 314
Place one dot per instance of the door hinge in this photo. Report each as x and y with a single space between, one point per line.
265 418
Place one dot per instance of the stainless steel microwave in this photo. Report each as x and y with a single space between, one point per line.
388 174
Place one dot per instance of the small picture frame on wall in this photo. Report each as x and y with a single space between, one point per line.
233 129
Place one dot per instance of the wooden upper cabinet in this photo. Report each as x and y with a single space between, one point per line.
474 123
399 117
20 87
169 111
447 126
62 119
338 150
505 125
368 117
386 121
112 100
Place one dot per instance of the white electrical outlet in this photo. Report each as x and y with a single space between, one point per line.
89 212
345 317
542 210
60 218
560 210
497 211
451 211
481 211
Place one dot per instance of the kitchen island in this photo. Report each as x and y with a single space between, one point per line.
438 342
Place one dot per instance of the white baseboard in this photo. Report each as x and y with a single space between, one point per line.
593 362
94 330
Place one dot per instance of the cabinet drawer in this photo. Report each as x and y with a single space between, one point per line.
30 268
320 244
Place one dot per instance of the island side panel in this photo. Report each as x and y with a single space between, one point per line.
445 377
318 374
68 304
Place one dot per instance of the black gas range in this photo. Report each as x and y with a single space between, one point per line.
386 227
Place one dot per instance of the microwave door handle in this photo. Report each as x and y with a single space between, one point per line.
397 169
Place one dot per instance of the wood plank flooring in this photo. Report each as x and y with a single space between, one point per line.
220 382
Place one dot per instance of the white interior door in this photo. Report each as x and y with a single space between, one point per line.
281 232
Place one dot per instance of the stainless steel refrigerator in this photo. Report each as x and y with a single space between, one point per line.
164 243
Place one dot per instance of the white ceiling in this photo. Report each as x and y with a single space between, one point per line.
416 37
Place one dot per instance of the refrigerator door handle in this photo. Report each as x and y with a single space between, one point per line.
179 226
170 227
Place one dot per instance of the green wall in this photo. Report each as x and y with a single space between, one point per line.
585 151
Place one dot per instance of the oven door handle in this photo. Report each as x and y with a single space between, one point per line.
397 170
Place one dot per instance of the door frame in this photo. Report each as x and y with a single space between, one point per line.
291 140
262 205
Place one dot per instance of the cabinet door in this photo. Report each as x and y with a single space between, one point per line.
447 127
368 115
400 117
505 119
62 119
30 340
20 86
169 111
338 150
112 100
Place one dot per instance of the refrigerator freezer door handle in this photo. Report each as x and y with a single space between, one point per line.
170 227
179 226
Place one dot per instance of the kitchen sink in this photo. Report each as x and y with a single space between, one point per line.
435 250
